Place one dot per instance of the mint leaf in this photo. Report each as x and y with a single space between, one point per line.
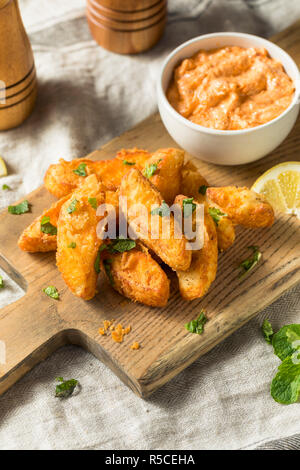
81 170
93 202
202 190
151 169
47 227
267 331
285 341
72 245
126 162
121 245
1 282
21 208
216 214
162 211
249 263
5 187
188 207
285 386
72 206
66 388
107 267
98 258
52 292
197 326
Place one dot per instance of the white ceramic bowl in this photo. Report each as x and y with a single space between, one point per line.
227 147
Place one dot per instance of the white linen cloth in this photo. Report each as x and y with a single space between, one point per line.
87 96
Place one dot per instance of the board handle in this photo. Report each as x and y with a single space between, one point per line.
29 333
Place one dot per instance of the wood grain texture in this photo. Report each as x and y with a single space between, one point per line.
17 70
129 31
35 326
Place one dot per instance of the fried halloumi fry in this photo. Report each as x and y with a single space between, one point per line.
195 282
167 177
33 239
140 193
194 185
135 156
243 206
138 277
77 241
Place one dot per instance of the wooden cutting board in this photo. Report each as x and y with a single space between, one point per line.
34 326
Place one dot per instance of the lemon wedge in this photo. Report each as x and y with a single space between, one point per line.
281 187
3 169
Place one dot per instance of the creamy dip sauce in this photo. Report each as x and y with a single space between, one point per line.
231 88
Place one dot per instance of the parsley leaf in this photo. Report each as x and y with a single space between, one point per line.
47 227
216 214
287 341
151 169
21 208
66 388
72 245
121 245
107 267
93 202
72 206
202 190
267 331
197 326
250 263
162 211
5 187
81 170
126 162
188 207
285 386
52 292
1 282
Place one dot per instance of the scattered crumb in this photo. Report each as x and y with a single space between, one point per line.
102 331
135 346
117 332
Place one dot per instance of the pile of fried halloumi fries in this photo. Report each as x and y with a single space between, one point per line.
137 271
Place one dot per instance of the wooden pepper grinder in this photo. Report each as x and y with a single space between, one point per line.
18 85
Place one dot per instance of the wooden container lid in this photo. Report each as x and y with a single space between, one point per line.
128 5
125 16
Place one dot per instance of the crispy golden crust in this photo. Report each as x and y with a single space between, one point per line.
195 282
77 265
243 207
192 180
135 155
33 239
225 234
138 277
167 178
138 190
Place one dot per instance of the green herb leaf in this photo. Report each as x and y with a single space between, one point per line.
66 388
197 326
81 170
162 211
202 190
21 208
72 245
151 169
285 341
188 207
72 206
267 331
52 292
249 263
121 245
5 187
107 267
1 282
126 162
47 227
285 386
216 214
93 202
98 258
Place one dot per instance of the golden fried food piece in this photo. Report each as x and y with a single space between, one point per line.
195 282
135 156
243 207
225 233
192 182
33 239
139 191
167 177
77 241
138 277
